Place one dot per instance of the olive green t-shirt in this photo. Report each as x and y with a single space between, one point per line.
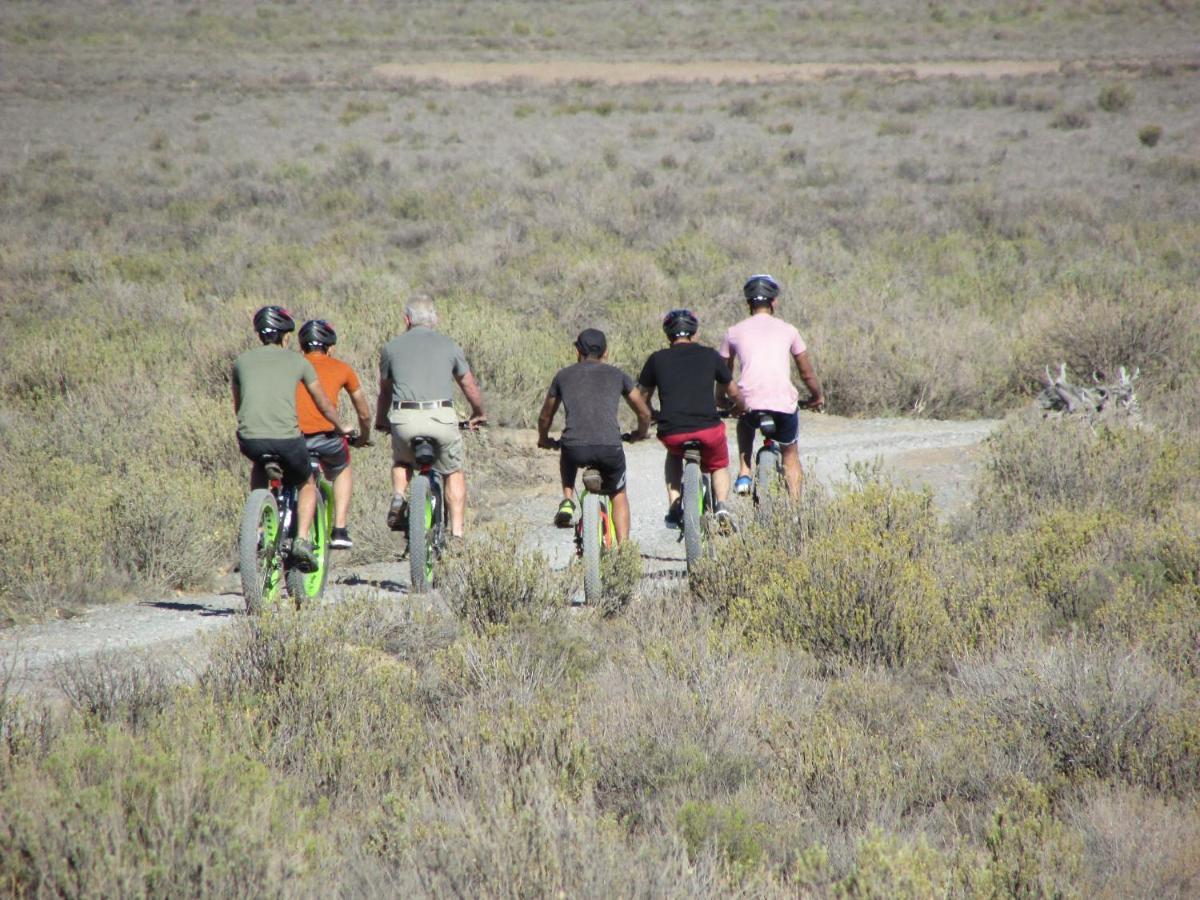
266 379
422 364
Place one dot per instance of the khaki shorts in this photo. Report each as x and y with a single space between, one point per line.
440 425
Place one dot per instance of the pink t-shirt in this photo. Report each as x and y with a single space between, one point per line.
764 347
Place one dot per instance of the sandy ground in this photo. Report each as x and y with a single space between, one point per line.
941 455
714 71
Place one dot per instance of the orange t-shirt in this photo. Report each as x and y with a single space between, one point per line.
333 375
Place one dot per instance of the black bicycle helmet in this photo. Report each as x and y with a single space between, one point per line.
318 333
273 319
760 289
680 323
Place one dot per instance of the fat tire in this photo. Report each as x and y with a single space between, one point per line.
592 539
418 534
692 514
309 587
766 487
259 562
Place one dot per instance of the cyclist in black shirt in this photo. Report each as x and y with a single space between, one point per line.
689 377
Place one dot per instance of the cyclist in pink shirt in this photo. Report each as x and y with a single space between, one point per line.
765 348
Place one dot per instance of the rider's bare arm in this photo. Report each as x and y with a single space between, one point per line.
545 418
382 405
808 375
237 396
470 389
324 407
359 398
641 408
733 394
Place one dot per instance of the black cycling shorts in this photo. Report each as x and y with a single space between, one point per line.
332 449
609 460
291 452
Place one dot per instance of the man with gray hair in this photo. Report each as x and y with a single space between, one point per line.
417 373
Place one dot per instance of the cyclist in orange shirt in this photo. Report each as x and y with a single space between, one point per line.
324 440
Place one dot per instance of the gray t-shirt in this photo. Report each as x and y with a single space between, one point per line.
590 392
266 379
422 365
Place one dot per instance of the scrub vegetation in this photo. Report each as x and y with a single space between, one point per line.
874 702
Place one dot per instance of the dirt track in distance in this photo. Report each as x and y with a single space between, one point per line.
462 74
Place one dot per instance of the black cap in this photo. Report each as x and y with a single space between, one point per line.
591 342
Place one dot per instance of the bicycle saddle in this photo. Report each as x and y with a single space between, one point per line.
424 451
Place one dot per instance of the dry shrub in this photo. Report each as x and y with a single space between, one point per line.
620 575
1038 465
493 581
1138 327
1135 843
1101 713
323 702
170 813
114 686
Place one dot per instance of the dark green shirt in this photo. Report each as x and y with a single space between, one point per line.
266 379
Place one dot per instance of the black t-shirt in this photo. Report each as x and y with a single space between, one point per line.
590 392
684 375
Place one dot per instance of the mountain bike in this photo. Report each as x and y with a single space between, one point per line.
426 513
595 531
697 503
768 468
269 521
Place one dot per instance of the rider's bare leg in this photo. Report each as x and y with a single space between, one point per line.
456 501
745 442
306 507
720 485
620 513
342 486
673 475
399 479
793 473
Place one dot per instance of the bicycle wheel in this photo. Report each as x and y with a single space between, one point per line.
420 526
693 502
592 539
766 483
259 559
308 587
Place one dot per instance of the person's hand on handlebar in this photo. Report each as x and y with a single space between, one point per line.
815 403
545 442
477 420
632 437
360 438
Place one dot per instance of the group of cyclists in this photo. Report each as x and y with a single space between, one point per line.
286 406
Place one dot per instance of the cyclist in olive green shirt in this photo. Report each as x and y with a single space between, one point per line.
264 398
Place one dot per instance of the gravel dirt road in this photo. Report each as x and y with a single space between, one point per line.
941 455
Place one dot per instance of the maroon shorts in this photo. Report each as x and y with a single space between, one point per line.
714 452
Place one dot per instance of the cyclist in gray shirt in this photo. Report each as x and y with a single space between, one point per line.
418 371
590 391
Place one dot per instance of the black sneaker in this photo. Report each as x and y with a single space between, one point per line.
674 516
302 556
397 516
339 539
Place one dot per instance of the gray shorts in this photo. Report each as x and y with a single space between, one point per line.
440 425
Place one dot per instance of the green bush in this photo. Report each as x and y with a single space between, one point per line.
1115 97
862 587
727 829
